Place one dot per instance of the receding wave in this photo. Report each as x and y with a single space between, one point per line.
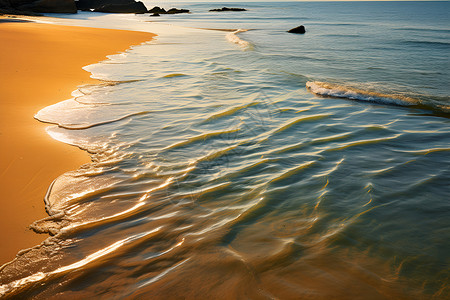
340 91
86 126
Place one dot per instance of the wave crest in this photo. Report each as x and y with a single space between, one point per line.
340 91
233 38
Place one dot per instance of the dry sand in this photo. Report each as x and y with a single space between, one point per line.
40 64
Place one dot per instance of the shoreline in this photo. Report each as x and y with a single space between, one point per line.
41 65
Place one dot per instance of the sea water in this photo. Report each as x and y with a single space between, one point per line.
231 159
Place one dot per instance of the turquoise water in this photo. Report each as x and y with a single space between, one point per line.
255 164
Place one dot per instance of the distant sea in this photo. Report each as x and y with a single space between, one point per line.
234 160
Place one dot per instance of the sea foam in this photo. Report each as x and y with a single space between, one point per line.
340 91
233 38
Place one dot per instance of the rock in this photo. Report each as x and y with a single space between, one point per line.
228 9
52 6
133 7
155 15
32 7
173 11
112 6
300 29
84 5
161 11
5 4
130 7
157 10
12 11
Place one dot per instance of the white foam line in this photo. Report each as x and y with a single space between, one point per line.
337 91
233 38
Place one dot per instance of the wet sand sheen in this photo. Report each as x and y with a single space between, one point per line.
41 64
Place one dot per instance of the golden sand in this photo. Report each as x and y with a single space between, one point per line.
41 64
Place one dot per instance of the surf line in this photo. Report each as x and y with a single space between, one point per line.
233 38
326 89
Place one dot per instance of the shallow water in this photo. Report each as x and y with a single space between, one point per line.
255 164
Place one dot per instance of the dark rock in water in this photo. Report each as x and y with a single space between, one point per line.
161 11
32 7
173 11
155 15
300 29
228 9
157 10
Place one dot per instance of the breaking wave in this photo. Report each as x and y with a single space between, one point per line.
233 38
340 91
326 89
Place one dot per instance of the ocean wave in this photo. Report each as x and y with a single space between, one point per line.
427 43
174 75
233 38
342 35
439 30
217 29
439 105
340 91
336 24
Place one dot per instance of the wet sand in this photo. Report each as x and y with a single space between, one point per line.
41 64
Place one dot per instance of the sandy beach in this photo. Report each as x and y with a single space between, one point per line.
41 64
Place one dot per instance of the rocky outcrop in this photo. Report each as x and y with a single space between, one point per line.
84 5
93 4
132 7
6 7
173 11
300 29
13 11
161 11
31 7
4 4
52 6
112 6
157 10
228 9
